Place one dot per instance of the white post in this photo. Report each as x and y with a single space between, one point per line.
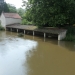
62 35
33 33
11 29
17 30
44 35
24 31
58 37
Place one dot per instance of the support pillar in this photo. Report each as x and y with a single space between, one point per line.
62 35
24 31
33 33
17 30
44 35
59 37
11 29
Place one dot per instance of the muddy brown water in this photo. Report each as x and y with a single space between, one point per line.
35 56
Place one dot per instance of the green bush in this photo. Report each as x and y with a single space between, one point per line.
71 30
1 28
70 36
25 22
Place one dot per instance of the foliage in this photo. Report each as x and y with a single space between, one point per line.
25 22
70 30
12 8
51 12
1 28
4 8
26 18
70 36
20 11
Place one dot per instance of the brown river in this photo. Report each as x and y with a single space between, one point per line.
35 55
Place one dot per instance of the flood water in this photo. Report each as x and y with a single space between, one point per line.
35 55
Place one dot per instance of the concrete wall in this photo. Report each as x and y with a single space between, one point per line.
12 21
2 19
62 35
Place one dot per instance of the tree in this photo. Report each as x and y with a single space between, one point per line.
12 8
20 11
26 18
51 12
4 8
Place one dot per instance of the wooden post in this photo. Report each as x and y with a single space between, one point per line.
44 35
33 33
24 31
17 30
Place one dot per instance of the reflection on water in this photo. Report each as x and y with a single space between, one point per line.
69 45
35 56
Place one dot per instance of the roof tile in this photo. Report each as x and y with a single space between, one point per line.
12 15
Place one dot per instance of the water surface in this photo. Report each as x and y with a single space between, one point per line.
35 56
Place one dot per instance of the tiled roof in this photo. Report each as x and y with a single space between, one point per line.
12 15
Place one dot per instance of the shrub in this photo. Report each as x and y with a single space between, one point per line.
1 28
70 36
25 22
71 30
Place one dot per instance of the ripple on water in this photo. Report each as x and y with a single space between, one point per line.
13 53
